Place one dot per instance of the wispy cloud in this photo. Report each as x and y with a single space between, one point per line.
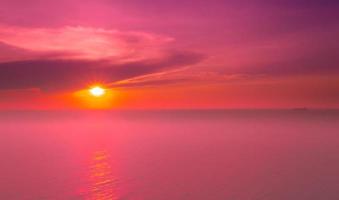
71 57
84 43
74 74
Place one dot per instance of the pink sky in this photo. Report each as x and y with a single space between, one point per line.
170 54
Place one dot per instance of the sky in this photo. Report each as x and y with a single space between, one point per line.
168 54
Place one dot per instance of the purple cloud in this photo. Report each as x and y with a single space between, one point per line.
76 74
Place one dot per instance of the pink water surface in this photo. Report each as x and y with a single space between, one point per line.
168 155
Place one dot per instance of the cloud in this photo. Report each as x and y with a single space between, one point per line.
60 74
180 76
85 43
72 57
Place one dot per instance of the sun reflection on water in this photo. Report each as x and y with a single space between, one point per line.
103 184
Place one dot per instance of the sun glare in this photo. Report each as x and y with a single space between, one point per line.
96 96
97 91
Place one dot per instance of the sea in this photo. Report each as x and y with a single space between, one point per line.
170 155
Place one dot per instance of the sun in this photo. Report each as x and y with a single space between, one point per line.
97 91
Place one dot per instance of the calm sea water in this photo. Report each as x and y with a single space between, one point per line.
169 155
